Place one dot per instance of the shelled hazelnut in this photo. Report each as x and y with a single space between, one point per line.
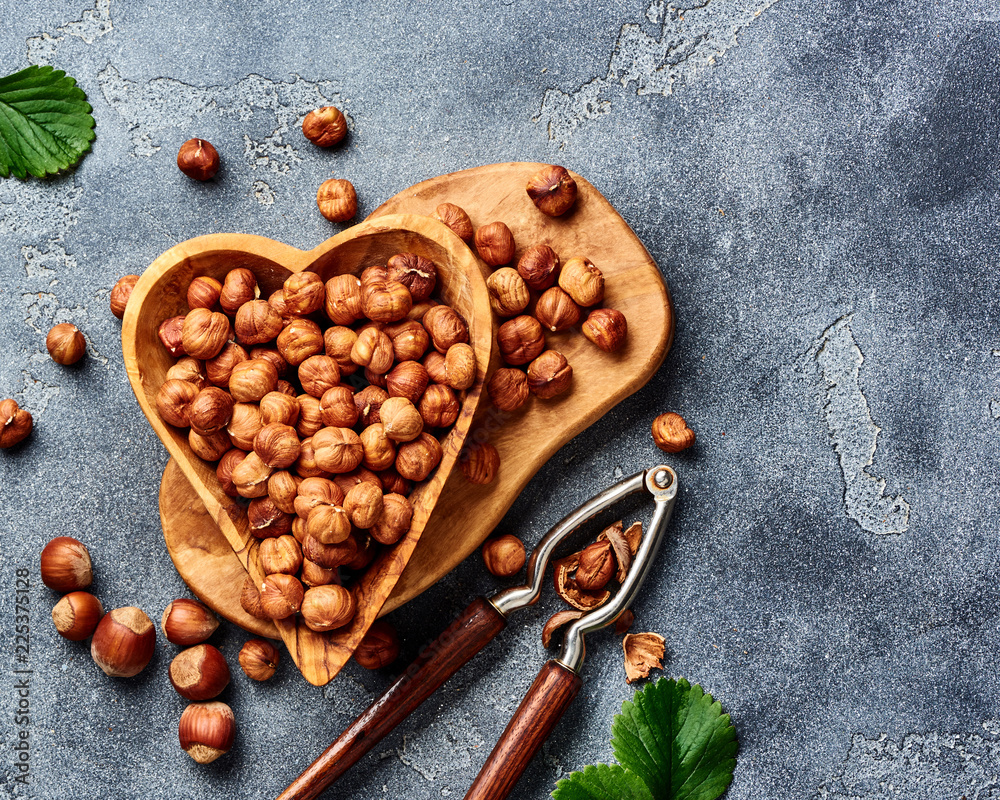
123 642
238 287
549 375
66 344
582 281
538 266
120 294
325 126
671 433
326 608
606 328
15 424
337 200
480 462
198 159
204 292
281 595
206 730
503 555
170 334
508 292
508 388
556 310
495 244
76 615
552 190
66 565
259 659
455 218
520 340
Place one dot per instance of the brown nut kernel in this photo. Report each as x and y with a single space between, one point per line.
271 354
394 483
244 425
171 333
304 293
198 159
121 293
337 408
204 333
211 447
549 375
455 218
204 292
324 126
582 281
369 403
394 521
373 350
415 460
206 731
250 476
280 554
434 364
279 407
343 299
416 273
380 452
479 463
671 433
66 344
552 190
238 287
508 389
538 267
257 322
259 659
186 622
188 369
210 411
439 407
607 328
277 445
310 416
317 374
503 555
556 310
520 340
325 608
266 519
250 380
445 327
224 471
385 301
363 504
15 424
314 492
76 615
337 200
379 647
300 339
408 379
250 599
280 595
283 488
173 399
495 244
199 672
65 565
460 366
409 340
337 450
400 419
328 525
220 369
338 342
597 566
123 642
508 292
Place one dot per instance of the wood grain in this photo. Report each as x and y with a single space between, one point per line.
161 292
465 514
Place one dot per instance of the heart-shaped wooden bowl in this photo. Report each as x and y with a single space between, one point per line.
161 293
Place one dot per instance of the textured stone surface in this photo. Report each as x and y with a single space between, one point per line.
818 183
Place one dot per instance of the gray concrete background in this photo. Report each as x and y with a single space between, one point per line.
818 183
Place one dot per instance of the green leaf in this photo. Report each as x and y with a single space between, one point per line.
602 782
45 122
676 738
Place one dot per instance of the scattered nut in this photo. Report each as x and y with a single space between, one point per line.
198 159
508 388
76 615
503 555
520 340
671 433
552 190
582 281
325 126
606 328
199 672
259 659
549 375
495 244
121 293
187 622
15 424
123 642
337 200
556 310
538 267
508 292
325 608
65 565
455 218
206 730
643 652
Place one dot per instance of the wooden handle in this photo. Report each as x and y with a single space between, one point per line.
542 707
437 662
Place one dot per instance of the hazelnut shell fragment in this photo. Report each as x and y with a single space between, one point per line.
643 652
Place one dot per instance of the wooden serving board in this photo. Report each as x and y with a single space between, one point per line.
465 514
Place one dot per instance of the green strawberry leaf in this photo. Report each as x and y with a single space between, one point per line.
45 122
676 738
602 782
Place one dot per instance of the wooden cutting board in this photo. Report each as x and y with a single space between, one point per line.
465 514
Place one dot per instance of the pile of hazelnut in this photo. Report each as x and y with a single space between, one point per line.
323 406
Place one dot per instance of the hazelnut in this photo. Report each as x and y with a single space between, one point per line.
400 419
304 293
173 399
171 333
337 200
415 460
121 293
259 659
338 342
199 672
204 333
360 475
438 406
416 273
76 615
596 567
210 411
582 281
65 565
250 380
369 404
503 555
379 647
224 471
325 608
278 407
280 595
250 599
306 466
495 244
314 492
238 287
244 425
220 369
455 218
123 642
257 322
206 731
549 375
310 416
393 482
409 340
363 504
434 364
317 374
343 299
508 292
373 349
480 462
508 388
266 519
385 301
186 622
365 553
445 327
300 339
337 408
277 301
378 379
394 520
606 328
284 387
671 433
315 575
282 488
277 445
66 344
407 379
373 274
556 310
211 447
204 292
198 159
460 366
538 267
324 126
328 525
188 369
380 452
280 554
271 354
250 476
552 190
337 450
520 340
15 424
